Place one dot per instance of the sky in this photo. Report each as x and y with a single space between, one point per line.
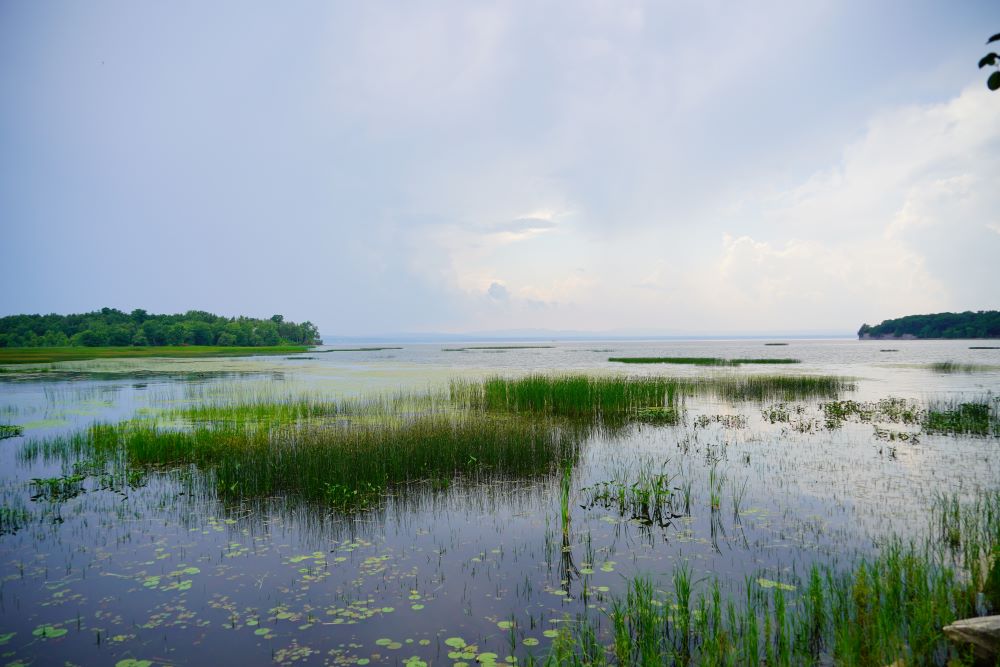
640 168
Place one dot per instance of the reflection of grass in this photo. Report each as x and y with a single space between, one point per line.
887 609
38 355
700 361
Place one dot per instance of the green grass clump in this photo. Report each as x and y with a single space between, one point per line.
894 410
565 395
10 431
39 355
878 611
700 361
620 396
954 417
341 464
646 497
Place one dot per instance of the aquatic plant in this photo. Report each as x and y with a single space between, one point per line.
954 416
701 361
955 367
609 396
883 609
10 431
340 464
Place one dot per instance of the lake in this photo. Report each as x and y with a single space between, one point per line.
483 566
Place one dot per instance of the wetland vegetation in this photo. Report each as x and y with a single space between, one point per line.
48 355
516 518
700 361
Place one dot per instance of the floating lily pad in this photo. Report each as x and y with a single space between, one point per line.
767 583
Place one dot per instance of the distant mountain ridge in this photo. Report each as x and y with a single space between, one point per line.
978 324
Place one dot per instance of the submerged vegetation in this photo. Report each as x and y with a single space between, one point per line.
955 367
701 361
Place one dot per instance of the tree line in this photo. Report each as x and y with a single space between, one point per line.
979 324
112 327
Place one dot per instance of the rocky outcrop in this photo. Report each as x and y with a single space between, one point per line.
982 634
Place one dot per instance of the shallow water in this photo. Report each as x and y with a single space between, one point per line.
164 571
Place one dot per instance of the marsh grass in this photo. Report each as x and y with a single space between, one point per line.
565 395
955 367
700 361
880 610
609 396
10 431
345 466
891 410
954 416
642 494
38 355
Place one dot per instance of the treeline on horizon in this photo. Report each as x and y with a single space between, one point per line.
112 327
979 324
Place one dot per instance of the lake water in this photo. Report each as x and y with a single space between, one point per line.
163 571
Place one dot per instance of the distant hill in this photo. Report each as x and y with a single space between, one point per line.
112 327
980 324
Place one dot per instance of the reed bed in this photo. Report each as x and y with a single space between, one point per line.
608 396
954 416
341 465
888 609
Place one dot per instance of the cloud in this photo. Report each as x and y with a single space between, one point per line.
498 292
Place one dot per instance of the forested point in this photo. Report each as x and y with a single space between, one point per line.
979 324
112 327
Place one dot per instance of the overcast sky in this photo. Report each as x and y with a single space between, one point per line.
459 166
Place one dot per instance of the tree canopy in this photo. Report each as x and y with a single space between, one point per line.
110 326
980 324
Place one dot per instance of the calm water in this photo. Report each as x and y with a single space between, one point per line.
165 572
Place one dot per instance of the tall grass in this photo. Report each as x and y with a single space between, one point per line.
880 610
955 416
566 395
338 464
590 396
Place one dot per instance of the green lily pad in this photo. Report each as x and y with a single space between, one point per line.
768 583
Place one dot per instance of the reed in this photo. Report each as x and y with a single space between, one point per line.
341 464
881 610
